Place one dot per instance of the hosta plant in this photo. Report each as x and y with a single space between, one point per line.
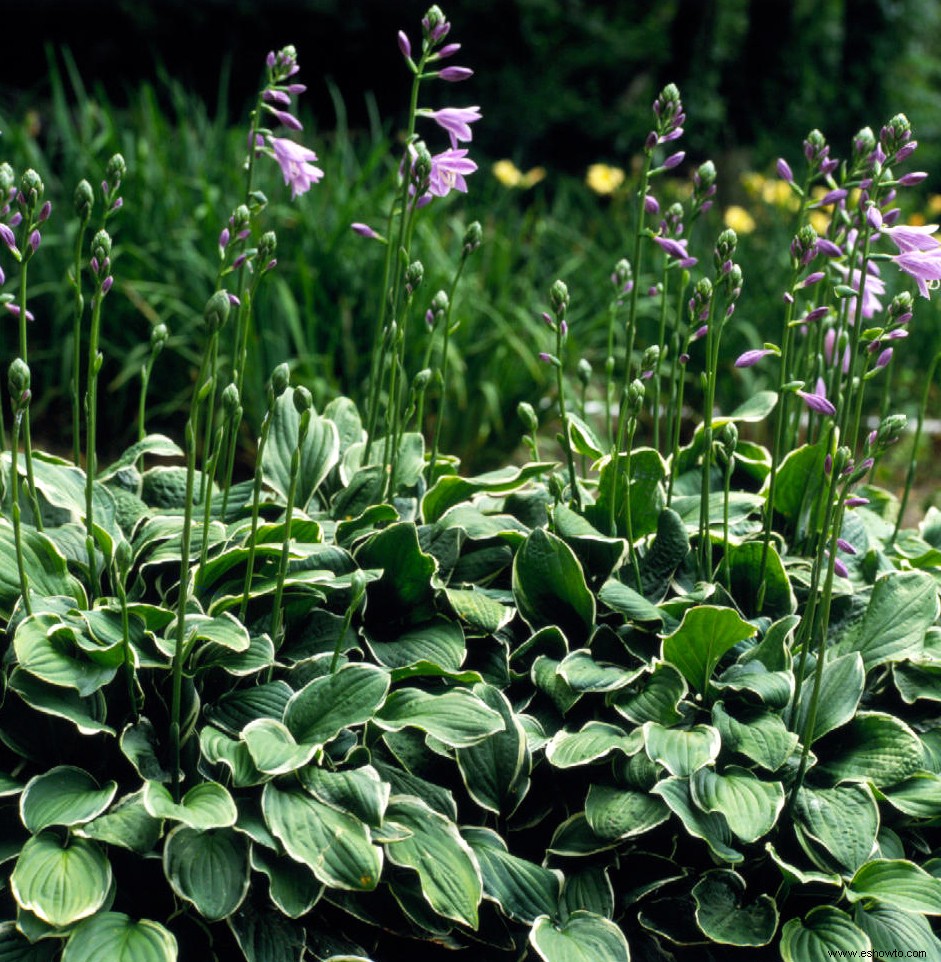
675 701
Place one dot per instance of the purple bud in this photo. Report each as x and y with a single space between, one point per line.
16 219
548 358
674 134
650 204
784 170
840 569
34 240
234 301
94 265
271 59
277 97
8 237
874 217
855 501
652 291
550 322
118 203
817 403
828 464
364 230
912 178
289 120
651 141
751 358
295 89
564 328
905 151
816 314
674 160
700 332
897 334
106 284
683 359
3 277
706 206
884 358
865 465
890 217
904 318
405 45
788 297
240 260
448 50
828 166
104 187
455 74
812 279
224 238
45 211
825 246
845 546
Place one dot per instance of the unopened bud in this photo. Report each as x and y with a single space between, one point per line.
231 402
414 275
18 380
32 187
84 201
559 298
280 379
216 312
303 401
584 371
115 171
158 337
472 237
527 415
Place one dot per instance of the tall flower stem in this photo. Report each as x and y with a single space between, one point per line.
27 440
566 434
916 441
279 383
84 198
158 337
302 403
855 336
19 383
712 348
661 343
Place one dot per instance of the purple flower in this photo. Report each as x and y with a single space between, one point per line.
874 289
844 545
784 170
295 163
812 279
825 246
14 309
884 358
8 238
651 206
874 217
448 170
924 266
817 400
907 238
455 74
456 121
855 501
674 160
673 248
750 358
912 178
277 97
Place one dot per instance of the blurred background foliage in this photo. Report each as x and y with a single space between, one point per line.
562 84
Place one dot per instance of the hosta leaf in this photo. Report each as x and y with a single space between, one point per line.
582 673
744 568
203 807
666 553
61 883
575 837
234 710
335 845
711 828
447 870
903 605
139 743
127 825
898 883
208 868
589 890
874 746
549 586
545 676
918 796
86 714
326 705
273 749
359 791
15 947
643 497
63 796
479 610
117 938
722 916
450 489
44 563
774 688
844 821
595 740
583 938
219 749
623 813
705 634
887 926
319 453
654 698
681 751
45 647
457 717
840 691
522 889
293 887
626 601
267 936
825 933
800 876
439 642
800 479
750 806
599 555
496 770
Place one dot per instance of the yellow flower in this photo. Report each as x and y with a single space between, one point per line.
603 179
916 220
532 177
739 219
507 173
819 221
934 204
753 182
779 193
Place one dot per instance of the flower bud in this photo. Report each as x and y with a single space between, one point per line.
280 379
559 298
421 380
649 361
101 249
18 380
158 337
472 237
216 312
414 275
84 201
7 179
725 246
895 134
230 401
432 21
303 401
115 171
528 416
421 165
890 430
864 143
728 441
32 187
816 150
584 371
635 396
804 245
